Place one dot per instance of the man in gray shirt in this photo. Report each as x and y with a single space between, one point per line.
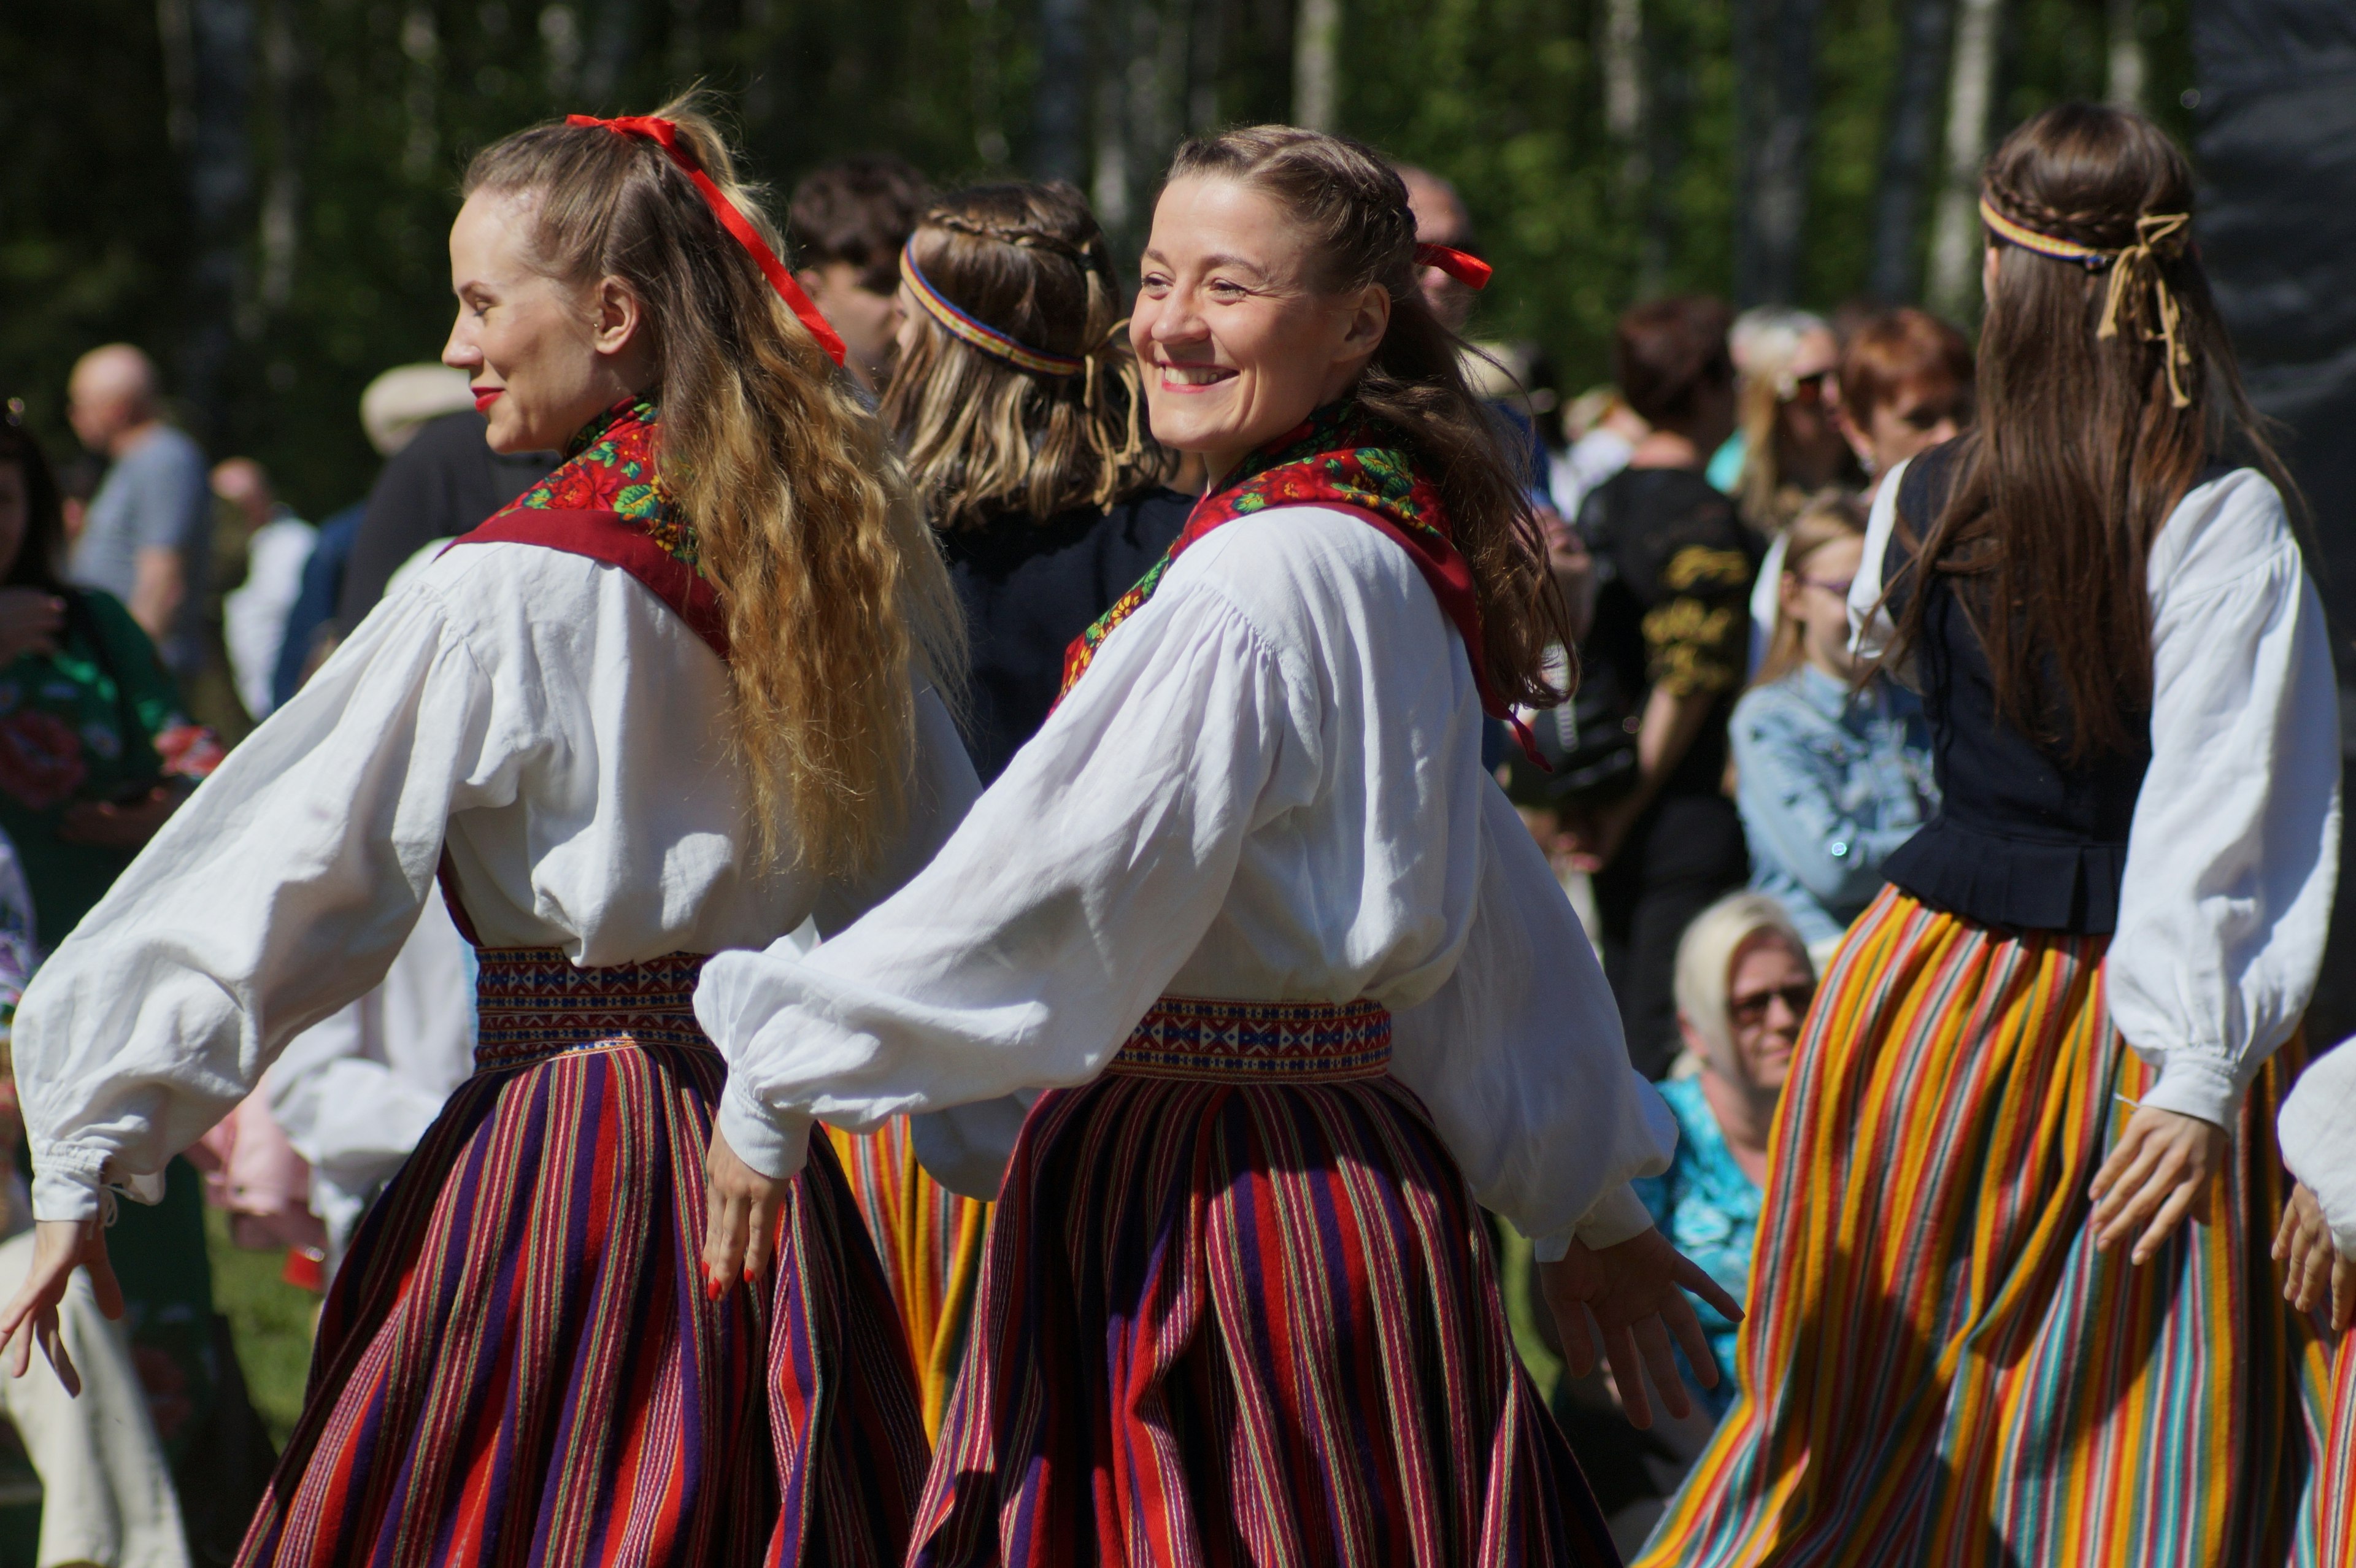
148 540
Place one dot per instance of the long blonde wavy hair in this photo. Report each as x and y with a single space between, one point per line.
837 603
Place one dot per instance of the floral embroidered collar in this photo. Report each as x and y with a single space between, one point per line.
610 466
1337 458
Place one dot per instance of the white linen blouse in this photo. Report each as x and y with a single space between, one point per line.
546 716
1268 788
2319 1139
2234 850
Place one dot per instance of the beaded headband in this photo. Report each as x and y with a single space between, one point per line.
2129 265
980 333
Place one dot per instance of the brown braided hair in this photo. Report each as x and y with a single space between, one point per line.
984 439
2082 449
1352 206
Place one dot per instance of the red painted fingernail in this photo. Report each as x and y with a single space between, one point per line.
713 1289
748 1274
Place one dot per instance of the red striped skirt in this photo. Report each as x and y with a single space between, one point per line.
1238 1306
2333 1518
1938 1367
518 1363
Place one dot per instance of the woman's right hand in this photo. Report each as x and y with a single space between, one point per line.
59 1246
2315 1273
30 620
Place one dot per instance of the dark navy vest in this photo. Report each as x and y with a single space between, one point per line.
2021 839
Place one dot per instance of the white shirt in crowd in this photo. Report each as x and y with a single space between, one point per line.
356 1092
1268 788
560 727
2235 845
253 615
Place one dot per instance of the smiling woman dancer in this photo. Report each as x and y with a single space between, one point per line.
1311 988
1984 1332
673 700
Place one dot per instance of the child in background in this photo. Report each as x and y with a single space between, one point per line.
1832 777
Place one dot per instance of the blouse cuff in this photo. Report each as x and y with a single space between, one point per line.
1618 1216
2192 1087
67 1183
775 1144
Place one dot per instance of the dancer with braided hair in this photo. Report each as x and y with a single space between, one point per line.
1015 402
1986 1331
1303 992
677 697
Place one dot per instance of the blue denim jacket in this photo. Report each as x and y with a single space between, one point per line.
1829 783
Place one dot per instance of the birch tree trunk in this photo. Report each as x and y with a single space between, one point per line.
2122 85
220 183
1895 275
1059 109
1315 83
1955 243
1776 64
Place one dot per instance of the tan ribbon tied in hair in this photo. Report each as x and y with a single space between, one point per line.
2130 267
2157 234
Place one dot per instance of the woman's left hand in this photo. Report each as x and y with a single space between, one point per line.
2313 1269
112 825
741 1208
2162 1166
1633 1295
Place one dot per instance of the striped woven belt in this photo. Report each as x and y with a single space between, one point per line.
533 1002
1258 1042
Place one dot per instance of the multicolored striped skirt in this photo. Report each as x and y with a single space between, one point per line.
2333 1518
1937 1366
930 1241
518 1363
1238 1306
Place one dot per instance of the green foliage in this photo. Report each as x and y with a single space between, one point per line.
360 114
269 1320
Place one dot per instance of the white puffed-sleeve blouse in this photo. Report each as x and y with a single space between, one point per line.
546 716
2234 847
1268 788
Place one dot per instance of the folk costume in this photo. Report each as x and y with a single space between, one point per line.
2318 1145
518 1362
1945 1369
1308 992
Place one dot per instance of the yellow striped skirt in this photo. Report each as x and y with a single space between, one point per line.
1938 1367
930 1242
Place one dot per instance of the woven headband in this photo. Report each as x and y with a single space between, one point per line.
982 334
2129 265
664 134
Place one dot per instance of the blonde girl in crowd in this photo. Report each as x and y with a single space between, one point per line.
1301 990
1981 1328
676 699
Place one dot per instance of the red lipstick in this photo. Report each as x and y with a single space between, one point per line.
484 397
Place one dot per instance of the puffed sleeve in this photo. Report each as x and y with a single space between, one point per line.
1024 954
2319 1139
2234 850
1520 1059
278 894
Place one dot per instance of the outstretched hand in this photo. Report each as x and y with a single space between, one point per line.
2314 1268
2162 1166
741 1209
59 1246
1631 1298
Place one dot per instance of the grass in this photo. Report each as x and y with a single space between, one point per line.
271 1321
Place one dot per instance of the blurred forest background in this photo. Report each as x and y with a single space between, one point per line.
258 190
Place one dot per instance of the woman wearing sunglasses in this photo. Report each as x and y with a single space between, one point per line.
1833 776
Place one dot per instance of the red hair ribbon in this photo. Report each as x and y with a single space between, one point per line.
1461 265
664 134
